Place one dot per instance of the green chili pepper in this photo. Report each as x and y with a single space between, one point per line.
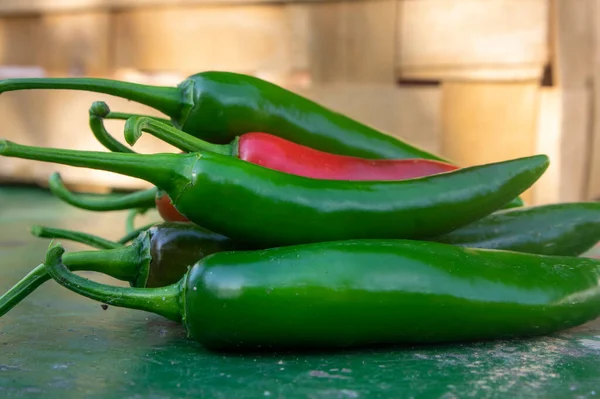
362 292
223 105
158 257
247 202
568 229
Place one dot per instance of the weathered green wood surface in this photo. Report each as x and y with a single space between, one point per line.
58 344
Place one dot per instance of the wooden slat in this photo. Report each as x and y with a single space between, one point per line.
572 34
472 39
247 39
75 43
410 113
547 189
20 40
593 189
351 41
63 44
11 7
489 122
562 115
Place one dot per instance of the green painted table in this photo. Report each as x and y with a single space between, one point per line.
58 344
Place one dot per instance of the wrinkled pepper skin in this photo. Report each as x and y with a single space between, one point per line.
567 229
355 293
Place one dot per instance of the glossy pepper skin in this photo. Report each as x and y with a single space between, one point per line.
158 257
259 148
250 203
219 106
567 229
276 153
166 210
353 293
222 105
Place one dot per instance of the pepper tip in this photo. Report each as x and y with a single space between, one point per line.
99 109
133 129
54 253
36 230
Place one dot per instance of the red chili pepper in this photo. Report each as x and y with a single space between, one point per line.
283 155
166 210
273 152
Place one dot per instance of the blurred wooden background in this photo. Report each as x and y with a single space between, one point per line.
477 81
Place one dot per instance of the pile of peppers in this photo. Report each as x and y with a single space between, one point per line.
289 226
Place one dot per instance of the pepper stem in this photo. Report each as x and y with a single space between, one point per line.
98 112
83 238
168 100
177 138
134 233
139 199
124 116
130 221
23 288
170 172
128 263
163 301
124 263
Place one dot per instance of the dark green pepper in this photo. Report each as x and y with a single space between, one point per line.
362 292
251 203
159 256
222 105
568 229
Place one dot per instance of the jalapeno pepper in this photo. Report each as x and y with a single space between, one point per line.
248 202
352 293
222 105
158 257
567 229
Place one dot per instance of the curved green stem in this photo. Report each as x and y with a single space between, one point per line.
130 221
168 100
134 233
177 138
163 301
98 112
122 263
83 238
23 288
169 172
124 116
139 199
